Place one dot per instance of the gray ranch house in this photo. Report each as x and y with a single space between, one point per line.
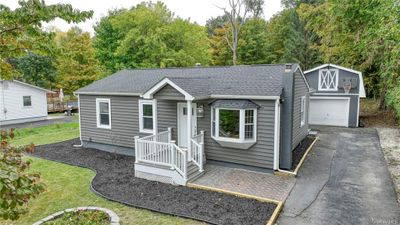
335 95
174 120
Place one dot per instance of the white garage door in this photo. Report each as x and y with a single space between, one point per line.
329 111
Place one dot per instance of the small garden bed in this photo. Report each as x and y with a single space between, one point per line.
115 181
301 150
81 216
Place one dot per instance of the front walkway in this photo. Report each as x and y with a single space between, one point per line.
259 184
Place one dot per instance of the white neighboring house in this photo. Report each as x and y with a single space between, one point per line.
21 102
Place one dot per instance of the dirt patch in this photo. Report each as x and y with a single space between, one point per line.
115 180
372 116
301 149
390 144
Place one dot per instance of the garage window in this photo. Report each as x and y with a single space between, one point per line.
303 111
328 80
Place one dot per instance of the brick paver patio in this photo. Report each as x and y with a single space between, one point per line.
247 182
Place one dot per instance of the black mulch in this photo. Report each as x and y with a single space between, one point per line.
301 149
115 180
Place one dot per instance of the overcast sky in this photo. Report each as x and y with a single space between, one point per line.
196 10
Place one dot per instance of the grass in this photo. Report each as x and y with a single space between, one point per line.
68 186
46 134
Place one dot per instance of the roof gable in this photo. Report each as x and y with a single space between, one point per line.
362 88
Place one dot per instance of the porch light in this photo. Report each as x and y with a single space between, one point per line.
200 111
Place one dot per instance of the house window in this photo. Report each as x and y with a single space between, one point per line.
103 112
328 80
27 101
147 118
234 125
303 111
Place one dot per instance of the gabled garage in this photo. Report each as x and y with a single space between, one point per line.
335 95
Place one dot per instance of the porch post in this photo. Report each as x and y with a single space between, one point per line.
136 149
189 130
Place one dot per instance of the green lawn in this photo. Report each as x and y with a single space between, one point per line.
46 134
68 186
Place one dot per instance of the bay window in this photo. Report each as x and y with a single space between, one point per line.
233 125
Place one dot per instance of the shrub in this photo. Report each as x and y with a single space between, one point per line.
17 186
393 100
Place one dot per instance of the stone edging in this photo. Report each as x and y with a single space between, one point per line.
113 216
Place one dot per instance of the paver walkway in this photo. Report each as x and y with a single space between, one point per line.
343 181
263 185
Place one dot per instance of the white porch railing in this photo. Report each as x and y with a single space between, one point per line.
197 150
159 149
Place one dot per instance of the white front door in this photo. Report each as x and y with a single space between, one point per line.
182 123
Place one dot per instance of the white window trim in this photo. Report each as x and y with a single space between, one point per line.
320 88
303 110
241 138
154 104
98 101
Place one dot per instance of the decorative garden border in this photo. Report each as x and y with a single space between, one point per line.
113 216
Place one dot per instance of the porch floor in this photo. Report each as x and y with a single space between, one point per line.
259 184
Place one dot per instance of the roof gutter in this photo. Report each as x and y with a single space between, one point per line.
106 93
261 97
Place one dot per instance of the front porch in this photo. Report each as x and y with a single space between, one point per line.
159 158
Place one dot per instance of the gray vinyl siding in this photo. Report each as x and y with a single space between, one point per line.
170 93
300 90
167 116
261 154
124 121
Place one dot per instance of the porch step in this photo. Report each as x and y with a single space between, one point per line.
193 171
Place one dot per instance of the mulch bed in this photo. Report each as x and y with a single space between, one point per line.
115 180
301 149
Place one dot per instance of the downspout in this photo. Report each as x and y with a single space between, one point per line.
277 134
80 129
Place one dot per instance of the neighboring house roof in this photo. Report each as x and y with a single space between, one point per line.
362 88
199 82
30 85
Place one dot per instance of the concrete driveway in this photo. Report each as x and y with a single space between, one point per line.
343 181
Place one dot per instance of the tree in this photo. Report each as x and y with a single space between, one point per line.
148 36
254 42
237 15
20 29
364 35
221 54
77 65
37 69
255 7
17 184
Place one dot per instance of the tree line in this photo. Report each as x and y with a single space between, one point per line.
363 35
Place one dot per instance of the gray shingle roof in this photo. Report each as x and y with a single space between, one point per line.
257 80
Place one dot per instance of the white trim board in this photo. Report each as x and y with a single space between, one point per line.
277 130
149 93
153 103
98 101
362 88
304 78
